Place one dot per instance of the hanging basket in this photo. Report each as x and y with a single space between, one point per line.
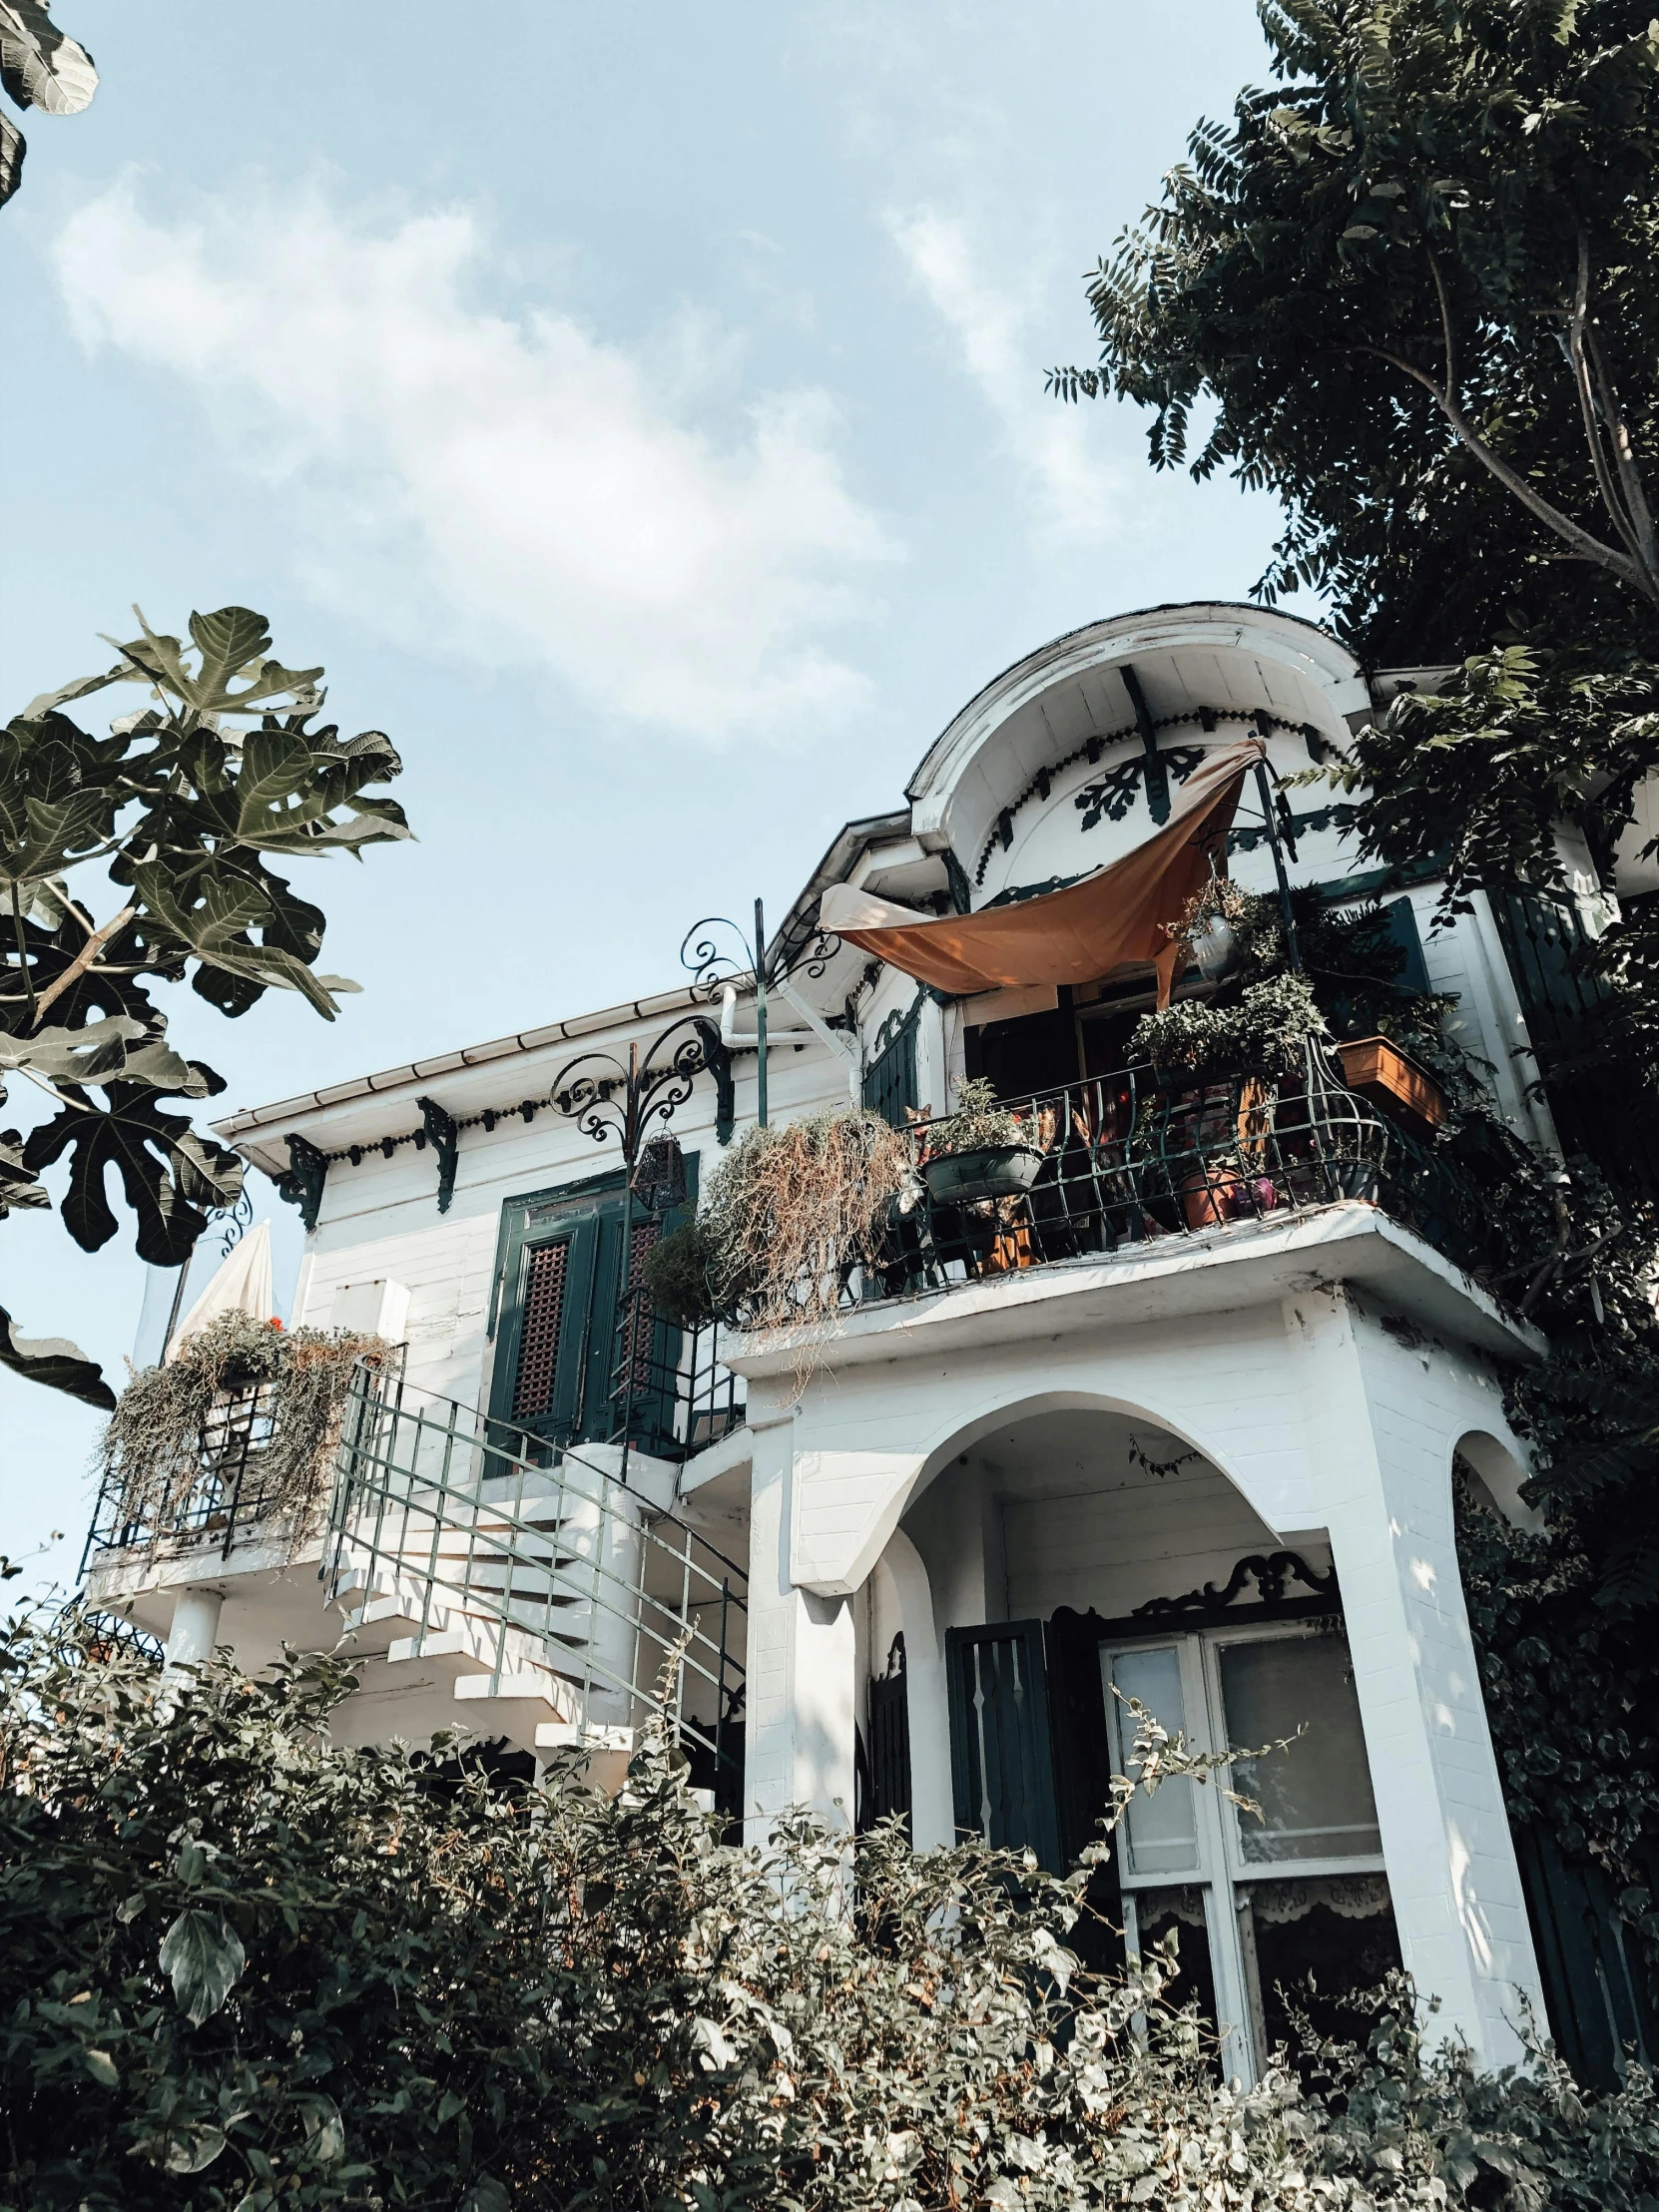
990 1171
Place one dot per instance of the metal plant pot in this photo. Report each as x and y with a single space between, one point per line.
992 1171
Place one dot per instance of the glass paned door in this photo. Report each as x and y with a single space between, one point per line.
1315 1794
1284 1910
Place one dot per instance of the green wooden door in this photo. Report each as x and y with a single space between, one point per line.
1001 1749
574 1354
557 1296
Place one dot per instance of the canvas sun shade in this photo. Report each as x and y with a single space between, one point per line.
1075 935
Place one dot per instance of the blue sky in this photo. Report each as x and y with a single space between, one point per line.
638 410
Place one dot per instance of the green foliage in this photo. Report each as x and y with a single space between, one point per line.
980 1122
678 1275
1411 290
241 1967
40 68
184 806
1264 1031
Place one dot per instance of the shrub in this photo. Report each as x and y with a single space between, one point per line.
677 1276
1266 1033
241 1967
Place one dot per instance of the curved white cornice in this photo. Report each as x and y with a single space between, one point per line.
1252 657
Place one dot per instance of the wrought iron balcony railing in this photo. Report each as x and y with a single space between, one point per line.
229 1497
1128 1159
671 1392
448 1512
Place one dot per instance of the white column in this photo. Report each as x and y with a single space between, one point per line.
932 1804
801 1676
195 1627
1382 1421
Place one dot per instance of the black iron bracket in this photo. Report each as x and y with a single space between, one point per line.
302 1182
440 1127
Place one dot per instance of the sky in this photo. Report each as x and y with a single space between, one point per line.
639 411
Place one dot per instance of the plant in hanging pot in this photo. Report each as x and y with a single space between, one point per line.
981 1151
1265 1033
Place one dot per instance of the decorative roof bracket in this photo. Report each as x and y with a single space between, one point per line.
441 1129
1156 772
301 1184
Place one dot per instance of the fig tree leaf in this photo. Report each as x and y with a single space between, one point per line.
17 1183
203 1957
167 1170
213 916
56 1363
39 64
13 147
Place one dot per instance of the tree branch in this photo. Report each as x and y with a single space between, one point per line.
1630 475
23 953
1605 484
1583 542
83 959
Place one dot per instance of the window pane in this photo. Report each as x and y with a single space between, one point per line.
1308 1945
1163 1827
1160 1913
1315 1797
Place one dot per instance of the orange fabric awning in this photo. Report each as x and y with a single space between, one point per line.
1075 935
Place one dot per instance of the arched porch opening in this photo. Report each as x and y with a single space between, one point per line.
1076 1557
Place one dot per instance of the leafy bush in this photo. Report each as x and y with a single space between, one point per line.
242 1968
980 1124
1265 1033
677 1276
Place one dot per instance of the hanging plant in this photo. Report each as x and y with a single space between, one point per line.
679 1276
1266 1033
159 1444
794 1207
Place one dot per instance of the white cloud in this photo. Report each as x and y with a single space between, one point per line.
508 487
998 328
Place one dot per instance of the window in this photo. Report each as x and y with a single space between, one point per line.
890 1086
577 1358
1258 1904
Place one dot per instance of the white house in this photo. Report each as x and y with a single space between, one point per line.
1107 1447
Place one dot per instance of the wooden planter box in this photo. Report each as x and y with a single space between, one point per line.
1379 1071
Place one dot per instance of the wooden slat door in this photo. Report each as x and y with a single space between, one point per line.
1001 1748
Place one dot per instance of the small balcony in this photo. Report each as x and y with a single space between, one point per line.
1133 1161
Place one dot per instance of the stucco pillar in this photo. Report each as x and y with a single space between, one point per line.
194 1626
802 1674
1383 1418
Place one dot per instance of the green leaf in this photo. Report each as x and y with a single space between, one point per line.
18 1186
203 1957
212 917
228 641
39 66
191 2154
102 2068
55 1363
168 1172
486 2195
13 148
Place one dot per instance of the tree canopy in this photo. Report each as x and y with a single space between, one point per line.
1411 290
183 808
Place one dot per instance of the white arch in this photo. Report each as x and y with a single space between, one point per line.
1499 1472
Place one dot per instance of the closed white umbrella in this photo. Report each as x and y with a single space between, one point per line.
242 1284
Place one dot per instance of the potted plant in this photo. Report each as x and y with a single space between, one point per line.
979 1152
1264 1034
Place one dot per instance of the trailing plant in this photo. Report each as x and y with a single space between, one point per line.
679 1274
242 1966
794 1207
160 1439
1265 1032
185 806
979 1122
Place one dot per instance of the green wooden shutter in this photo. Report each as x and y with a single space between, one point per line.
560 1258
1001 1752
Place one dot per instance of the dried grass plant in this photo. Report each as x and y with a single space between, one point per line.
795 1208
172 1422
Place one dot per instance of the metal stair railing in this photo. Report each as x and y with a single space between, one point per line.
545 1558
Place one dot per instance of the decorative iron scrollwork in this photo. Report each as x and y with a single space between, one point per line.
606 1099
439 1126
1270 1572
